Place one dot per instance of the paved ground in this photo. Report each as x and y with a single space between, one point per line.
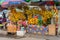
27 37
30 38
19 39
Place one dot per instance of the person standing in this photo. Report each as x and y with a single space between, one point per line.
4 20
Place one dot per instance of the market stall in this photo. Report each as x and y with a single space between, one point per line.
37 19
37 22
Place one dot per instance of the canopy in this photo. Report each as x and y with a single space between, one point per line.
1 1
5 3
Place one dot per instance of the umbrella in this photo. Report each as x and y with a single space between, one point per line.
4 4
7 3
14 3
1 1
13 0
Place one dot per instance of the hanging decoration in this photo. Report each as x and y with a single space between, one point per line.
13 15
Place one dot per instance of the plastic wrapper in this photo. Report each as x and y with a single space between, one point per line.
35 29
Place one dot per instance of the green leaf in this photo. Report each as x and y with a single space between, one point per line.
39 22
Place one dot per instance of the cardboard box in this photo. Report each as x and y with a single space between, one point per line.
52 29
11 29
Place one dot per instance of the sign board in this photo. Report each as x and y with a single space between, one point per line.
52 29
